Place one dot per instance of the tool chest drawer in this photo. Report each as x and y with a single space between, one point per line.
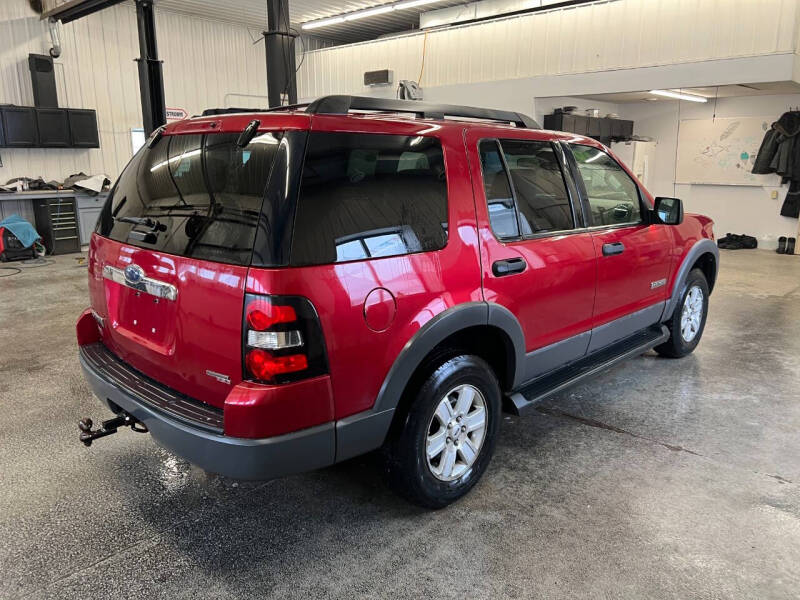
57 223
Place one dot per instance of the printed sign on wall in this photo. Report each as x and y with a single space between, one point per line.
176 114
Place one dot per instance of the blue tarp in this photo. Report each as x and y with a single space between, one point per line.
22 229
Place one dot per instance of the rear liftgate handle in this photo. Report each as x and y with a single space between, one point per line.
613 248
509 266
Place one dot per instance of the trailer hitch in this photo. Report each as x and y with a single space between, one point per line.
108 427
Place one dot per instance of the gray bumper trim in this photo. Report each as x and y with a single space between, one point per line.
240 458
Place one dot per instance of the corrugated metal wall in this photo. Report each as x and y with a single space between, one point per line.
206 64
608 35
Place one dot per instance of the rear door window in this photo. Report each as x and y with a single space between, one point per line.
525 189
367 196
537 181
198 196
499 199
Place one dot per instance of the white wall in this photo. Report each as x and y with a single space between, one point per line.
206 64
602 38
735 209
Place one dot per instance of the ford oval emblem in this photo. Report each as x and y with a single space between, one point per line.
134 274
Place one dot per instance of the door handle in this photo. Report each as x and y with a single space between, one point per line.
613 248
508 266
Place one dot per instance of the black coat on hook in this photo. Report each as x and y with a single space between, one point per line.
780 153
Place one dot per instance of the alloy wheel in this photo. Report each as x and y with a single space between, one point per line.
692 314
456 432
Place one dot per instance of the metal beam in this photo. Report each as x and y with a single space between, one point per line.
279 43
151 78
76 9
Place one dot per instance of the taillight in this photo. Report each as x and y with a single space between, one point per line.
282 339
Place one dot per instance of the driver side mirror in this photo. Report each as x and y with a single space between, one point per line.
668 211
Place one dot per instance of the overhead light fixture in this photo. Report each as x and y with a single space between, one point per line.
323 23
367 12
413 3
370 12
679 96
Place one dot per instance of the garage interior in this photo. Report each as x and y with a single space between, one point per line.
659 478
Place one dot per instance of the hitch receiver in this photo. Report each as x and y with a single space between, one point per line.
108 427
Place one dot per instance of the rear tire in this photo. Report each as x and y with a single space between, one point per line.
688 320
449 433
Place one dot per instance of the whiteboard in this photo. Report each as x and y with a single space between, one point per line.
721 151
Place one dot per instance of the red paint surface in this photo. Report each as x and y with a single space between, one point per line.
553 297
564 290
200 330
255 411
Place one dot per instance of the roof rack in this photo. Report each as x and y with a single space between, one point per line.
227 111
340 105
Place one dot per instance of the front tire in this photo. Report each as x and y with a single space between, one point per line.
449 434
688 320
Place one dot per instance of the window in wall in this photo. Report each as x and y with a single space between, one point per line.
613 196
369 195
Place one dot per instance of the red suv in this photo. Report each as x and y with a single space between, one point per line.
277 291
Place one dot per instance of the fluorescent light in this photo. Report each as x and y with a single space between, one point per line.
323 23
368 12
678 96
413 3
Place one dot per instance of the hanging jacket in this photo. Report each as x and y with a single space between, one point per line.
791 204
766 152
780 153
777 152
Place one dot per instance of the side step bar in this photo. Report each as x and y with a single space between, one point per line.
554 382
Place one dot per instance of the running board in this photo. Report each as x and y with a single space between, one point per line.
547 385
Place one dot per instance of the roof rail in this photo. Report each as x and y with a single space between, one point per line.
340 105
227 111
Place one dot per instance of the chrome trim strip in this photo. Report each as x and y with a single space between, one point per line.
148 285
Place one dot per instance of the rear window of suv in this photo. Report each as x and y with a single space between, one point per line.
369 195
198 196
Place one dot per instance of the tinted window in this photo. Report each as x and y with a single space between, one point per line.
369 195
613 196
541 193
192 195
502 214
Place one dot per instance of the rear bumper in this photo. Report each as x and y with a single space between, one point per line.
240 458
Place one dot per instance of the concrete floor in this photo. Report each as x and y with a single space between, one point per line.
660 479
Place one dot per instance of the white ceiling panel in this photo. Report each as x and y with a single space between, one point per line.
771 88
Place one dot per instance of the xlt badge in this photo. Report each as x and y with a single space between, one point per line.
218 376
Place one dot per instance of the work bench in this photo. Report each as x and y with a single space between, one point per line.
64 218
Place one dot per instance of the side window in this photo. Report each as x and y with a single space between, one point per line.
369 195
500 201
612 194
538 183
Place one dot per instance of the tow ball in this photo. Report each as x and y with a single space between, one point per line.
108 427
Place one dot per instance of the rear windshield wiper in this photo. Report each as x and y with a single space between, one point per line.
153 224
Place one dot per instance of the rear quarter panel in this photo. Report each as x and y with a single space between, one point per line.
422 285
